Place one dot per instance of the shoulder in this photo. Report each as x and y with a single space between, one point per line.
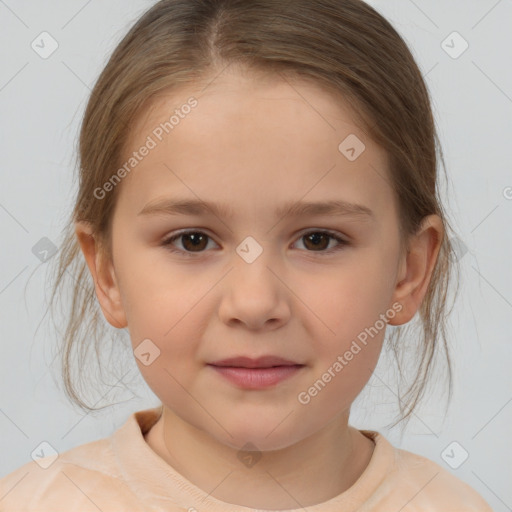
84 478
423 485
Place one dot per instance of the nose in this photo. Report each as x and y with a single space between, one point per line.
254 295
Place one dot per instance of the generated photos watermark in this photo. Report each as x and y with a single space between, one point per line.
304 397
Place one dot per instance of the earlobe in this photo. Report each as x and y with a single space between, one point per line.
103 275
416 269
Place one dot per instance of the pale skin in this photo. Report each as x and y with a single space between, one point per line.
255 144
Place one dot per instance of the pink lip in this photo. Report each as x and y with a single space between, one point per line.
257 378
258 373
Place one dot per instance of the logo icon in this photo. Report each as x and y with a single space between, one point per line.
454 45
249 249
352 147
146 352
44 45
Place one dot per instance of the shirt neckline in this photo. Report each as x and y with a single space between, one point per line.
158 483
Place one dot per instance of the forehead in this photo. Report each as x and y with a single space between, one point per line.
252 140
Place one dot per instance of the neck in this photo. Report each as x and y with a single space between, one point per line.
303 474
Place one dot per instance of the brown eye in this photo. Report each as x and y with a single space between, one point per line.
192 242
196 242
318 241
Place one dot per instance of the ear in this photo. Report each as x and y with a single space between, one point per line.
416 268
102 272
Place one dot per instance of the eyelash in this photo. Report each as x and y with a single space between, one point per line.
168 241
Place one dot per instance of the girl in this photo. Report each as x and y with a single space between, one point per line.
258 201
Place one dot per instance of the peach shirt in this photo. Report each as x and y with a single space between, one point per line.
123 474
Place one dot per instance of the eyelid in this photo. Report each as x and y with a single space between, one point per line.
323 230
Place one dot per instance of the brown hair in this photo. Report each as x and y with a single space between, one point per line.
343 45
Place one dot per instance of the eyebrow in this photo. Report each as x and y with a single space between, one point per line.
291 209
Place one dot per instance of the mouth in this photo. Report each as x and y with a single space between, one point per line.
260 362
263 372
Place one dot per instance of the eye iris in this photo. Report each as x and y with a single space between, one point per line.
195 238
316 238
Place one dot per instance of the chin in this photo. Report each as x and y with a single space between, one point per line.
264 435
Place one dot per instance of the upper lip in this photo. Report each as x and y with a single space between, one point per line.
260 362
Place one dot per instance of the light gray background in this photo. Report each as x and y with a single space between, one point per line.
42 101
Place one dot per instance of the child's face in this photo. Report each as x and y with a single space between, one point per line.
255 146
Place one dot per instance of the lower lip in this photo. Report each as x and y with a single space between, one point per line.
256 378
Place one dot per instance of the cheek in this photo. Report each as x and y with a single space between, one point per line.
350 298
156 296
175 340
353 308
345 362
162 312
